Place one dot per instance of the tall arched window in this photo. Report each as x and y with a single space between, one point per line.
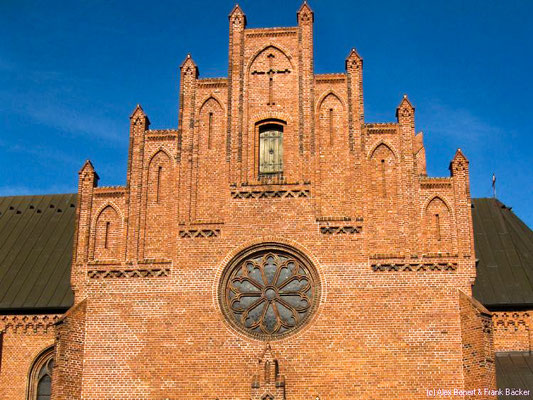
270 149
40 379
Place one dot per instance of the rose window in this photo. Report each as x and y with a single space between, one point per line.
269 292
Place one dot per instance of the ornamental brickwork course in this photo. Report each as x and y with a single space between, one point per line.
273 246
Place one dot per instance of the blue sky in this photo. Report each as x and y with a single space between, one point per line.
72 72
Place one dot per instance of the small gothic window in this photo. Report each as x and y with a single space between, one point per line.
270 149
40 380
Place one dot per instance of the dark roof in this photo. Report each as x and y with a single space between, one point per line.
36 238
504 248
514 370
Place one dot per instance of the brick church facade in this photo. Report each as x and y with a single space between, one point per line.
273 246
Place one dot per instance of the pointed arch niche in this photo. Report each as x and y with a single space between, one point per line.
271 87
333 154
384 173
331 122
158 212
383 179
438 227
271 77
40 376
210 161
211 127
107 234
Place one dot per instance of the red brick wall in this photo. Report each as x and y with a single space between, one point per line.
69 354
353 197
24 338
478 352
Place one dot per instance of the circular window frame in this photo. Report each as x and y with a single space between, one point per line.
256 250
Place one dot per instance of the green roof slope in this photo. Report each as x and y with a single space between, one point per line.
504 248
36 239
514 370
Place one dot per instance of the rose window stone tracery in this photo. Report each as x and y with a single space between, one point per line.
269 292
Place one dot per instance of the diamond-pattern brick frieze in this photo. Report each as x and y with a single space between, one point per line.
128 273
199 233
270 194
416 267
340 230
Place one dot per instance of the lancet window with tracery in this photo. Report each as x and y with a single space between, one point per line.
40 379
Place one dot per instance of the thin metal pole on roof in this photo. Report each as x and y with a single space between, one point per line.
494 185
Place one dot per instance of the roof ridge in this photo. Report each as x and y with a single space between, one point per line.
37 195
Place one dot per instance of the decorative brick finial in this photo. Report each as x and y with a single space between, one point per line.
87 167
137 112
189 68
188 62
138 117
459 162
237 18
305 14
405 110
353 61
459 155
88 174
